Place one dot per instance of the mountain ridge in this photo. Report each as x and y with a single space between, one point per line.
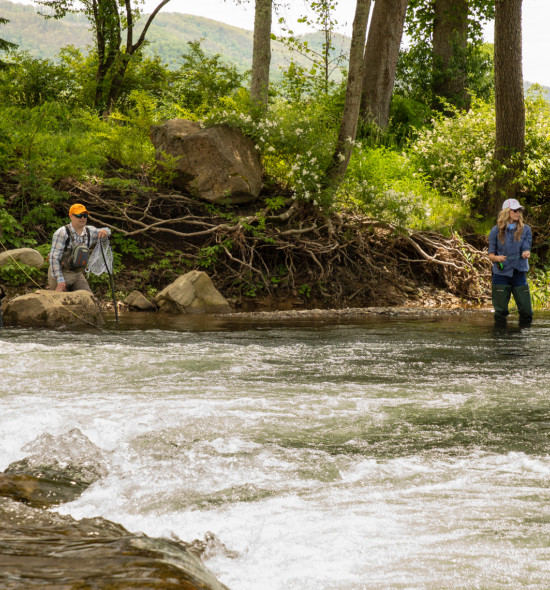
168 36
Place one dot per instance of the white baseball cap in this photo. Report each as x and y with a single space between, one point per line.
511 204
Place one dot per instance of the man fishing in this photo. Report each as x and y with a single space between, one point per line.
70 250
510 242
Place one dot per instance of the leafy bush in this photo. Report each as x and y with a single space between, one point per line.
31 82
202 80
383 184
457 154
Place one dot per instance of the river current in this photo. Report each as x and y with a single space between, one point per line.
396 453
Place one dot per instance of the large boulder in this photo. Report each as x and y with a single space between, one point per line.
53 308
23 255
218 164
193 292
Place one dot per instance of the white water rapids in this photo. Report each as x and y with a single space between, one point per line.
372 454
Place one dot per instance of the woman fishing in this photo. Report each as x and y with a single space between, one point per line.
509 250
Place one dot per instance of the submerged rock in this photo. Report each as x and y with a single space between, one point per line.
58 470
138 302
55 552
193 292
53 308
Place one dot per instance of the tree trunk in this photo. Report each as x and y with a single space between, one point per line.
509 101
381 53
261 53
450 43
348 127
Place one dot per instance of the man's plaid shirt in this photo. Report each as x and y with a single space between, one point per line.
58 246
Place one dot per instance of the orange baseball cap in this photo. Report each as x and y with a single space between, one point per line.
77 208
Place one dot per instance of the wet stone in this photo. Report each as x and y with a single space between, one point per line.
51 551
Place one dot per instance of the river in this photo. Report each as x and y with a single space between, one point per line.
372 453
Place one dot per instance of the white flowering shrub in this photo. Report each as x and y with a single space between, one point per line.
383 184
534 177
456 155
295 143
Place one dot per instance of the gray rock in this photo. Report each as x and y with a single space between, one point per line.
53 308
23 255
218 164
193 292
139 302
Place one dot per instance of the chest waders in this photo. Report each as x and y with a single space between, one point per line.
500 296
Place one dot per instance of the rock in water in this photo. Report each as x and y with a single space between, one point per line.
53 308
40 549
193 292
138 302
58 470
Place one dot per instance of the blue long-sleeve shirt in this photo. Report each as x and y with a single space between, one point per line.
512 249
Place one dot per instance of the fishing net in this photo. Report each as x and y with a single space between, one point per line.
101 258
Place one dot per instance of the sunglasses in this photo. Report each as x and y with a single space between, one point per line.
516 210
82 215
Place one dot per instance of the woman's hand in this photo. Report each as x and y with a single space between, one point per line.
526 254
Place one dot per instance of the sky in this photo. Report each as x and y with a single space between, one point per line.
240 13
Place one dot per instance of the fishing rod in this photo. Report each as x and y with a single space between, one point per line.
501 264
111 280
2 295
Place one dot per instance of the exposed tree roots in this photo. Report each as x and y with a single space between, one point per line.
298 255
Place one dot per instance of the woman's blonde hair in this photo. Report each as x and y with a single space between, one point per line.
503 221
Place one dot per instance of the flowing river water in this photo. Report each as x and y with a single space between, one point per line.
372 453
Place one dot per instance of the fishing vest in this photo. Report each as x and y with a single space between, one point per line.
75 256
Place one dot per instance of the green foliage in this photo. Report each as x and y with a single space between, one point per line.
202 80
305 290
31 82
17 273
539 285
418 71
208 256
415 74
457 154
129 246
129 143
51 140
13 232
383 184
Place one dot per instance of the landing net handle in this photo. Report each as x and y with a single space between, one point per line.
111 280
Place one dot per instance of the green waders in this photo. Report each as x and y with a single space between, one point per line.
501 297
522 298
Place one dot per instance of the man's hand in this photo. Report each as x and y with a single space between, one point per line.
102 233
61 287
